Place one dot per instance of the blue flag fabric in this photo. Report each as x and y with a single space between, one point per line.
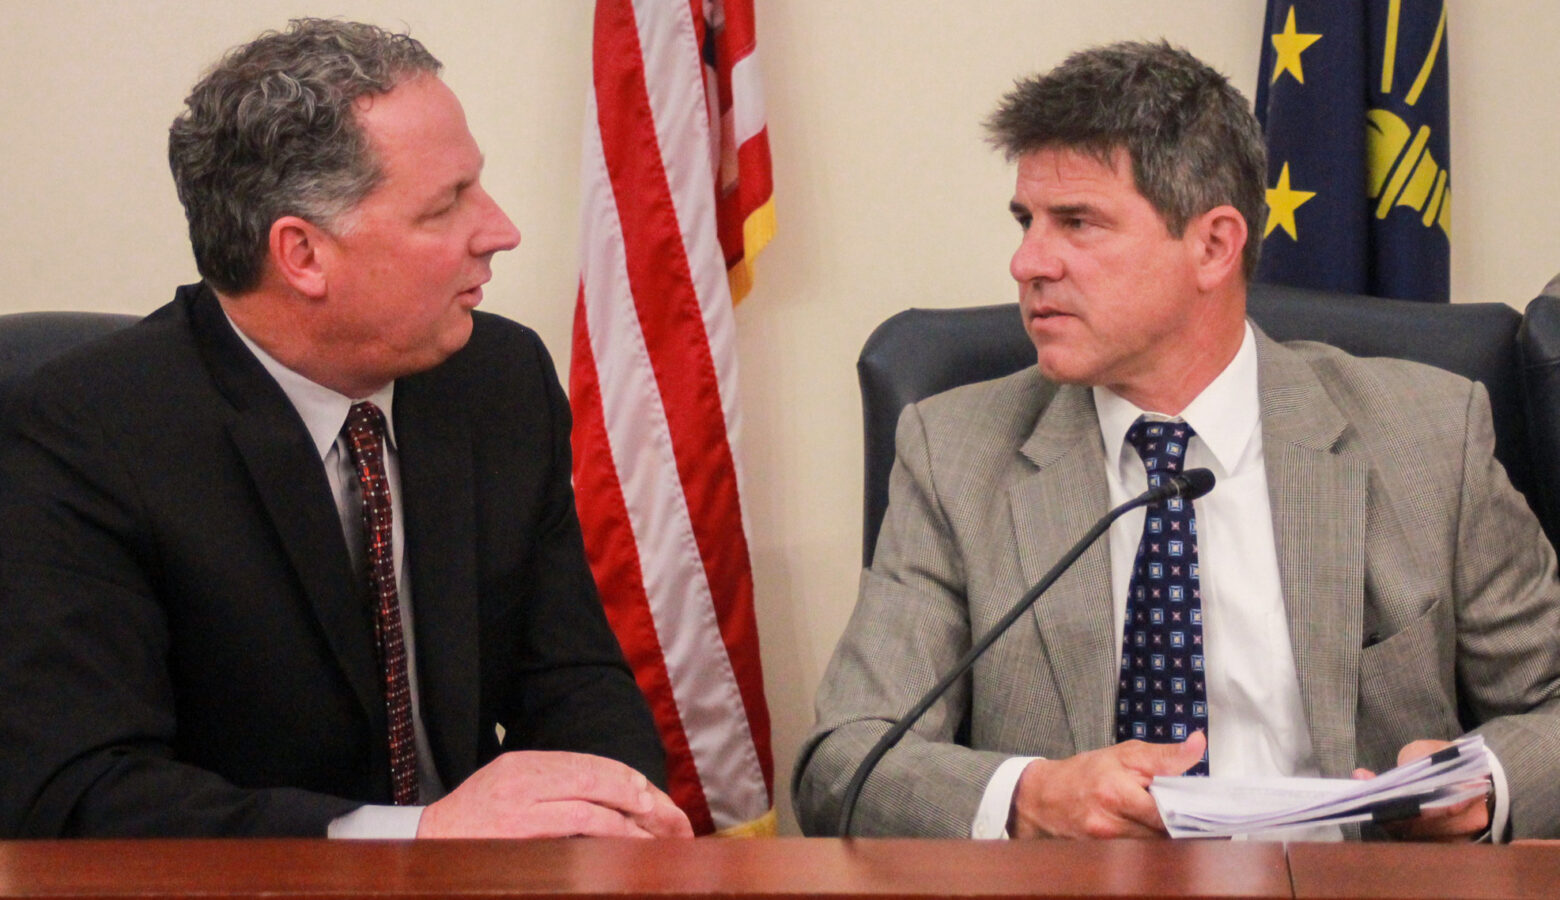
1352 97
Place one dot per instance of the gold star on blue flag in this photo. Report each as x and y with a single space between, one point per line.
1352 98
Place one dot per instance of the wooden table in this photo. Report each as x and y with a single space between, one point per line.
1446 872
787 868
616 869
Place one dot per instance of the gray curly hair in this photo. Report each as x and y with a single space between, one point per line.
1192 138
270 131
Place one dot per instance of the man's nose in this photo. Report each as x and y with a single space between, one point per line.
498 233
1035 258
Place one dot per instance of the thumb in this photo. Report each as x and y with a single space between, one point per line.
1175 759
1192 751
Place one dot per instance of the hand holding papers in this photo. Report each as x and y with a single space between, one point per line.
1222 807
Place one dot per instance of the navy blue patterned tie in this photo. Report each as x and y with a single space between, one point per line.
1162 697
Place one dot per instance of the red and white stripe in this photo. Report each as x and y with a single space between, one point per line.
746 194
653 388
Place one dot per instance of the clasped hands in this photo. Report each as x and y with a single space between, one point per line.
1104 794
533 794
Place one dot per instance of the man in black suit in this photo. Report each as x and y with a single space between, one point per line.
224 612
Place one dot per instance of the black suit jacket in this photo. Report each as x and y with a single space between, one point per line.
186 648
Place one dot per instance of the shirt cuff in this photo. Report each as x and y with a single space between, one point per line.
397 822
1499 816
991 817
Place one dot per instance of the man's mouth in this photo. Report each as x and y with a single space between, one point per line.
472 295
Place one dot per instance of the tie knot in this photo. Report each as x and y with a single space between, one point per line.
1162 445
364 430
364 420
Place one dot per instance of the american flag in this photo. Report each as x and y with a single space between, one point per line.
677 201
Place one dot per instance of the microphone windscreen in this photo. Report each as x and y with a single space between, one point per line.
1198 482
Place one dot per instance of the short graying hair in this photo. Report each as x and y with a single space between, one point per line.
270 131
1192 139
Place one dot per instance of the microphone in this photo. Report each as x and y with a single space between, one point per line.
1188 485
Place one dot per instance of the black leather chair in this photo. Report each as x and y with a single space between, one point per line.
921 352
30 339
1539 350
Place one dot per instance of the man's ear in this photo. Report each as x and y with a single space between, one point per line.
1219 244
299 251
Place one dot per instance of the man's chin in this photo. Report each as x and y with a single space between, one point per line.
1064 371
456 336
440 347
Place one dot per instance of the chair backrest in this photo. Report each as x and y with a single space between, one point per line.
921 352
1539 344
30 339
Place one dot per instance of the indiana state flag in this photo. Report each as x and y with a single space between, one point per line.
1352 97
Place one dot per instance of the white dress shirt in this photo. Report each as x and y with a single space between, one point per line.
1256 720
324 414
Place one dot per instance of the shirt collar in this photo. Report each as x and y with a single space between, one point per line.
1225 415
323 410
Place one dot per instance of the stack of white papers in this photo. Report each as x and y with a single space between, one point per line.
1223 807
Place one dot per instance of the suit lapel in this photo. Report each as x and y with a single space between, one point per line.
1051 509
438 496
1318 495
275 448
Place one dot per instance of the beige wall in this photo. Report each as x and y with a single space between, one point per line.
886 196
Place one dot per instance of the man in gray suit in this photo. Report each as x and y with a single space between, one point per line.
1364 581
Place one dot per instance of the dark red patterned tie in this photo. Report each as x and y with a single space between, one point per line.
365 436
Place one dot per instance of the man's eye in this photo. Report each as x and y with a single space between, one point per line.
1023 221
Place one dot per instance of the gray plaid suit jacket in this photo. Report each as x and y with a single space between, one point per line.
1421 594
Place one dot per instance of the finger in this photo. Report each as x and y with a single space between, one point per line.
1363 775
1106 821
1463 825
1457 822
551 777
667 826
1459 828
1456 809
1131 828
572 818
1134 812
1142 814
664 819
1416 749
1125 799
